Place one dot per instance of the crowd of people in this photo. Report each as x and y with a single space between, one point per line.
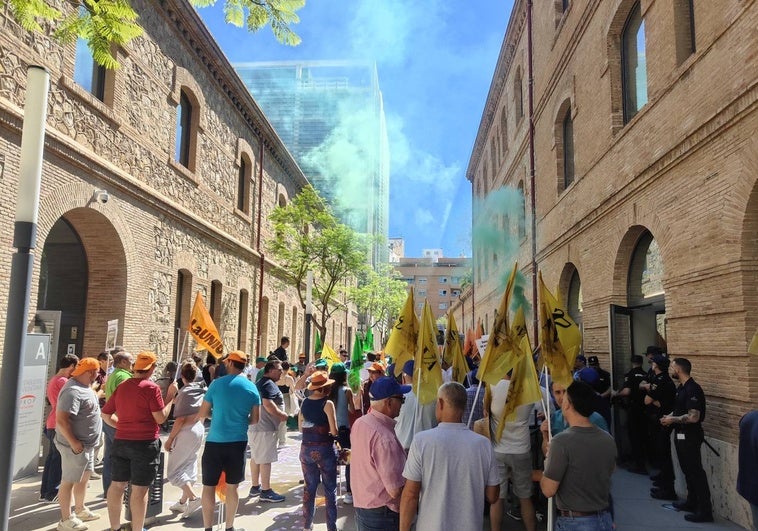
406 461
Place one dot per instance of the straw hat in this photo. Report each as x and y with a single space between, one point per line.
319 379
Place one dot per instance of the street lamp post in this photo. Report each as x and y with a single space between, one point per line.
308 314
22 263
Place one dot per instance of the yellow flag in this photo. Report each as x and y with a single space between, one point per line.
427 375
402 342
331 357
502 350
453 352
524 387
203 329
753 348
560 337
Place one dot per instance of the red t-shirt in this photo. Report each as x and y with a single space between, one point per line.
134 402
54 387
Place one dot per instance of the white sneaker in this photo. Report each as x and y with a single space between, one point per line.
85 515
192 506
178 507
72 524
347 498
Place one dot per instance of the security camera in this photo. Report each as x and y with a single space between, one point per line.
101 196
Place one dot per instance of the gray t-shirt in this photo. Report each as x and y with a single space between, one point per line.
268 389
189 399
582 460
80 401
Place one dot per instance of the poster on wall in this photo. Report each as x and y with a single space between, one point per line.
31 405
111 334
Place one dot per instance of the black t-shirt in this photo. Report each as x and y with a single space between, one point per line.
689 396
662 389
603 382
280 353
632 381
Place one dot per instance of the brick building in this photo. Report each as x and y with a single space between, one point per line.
435 279
645 189
190 168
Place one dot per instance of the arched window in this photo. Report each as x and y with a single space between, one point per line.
522 211
183 304
633 64
645 271
575 298
215 303
568 149
493 156
242 321
518 94
504 130
184 152
243 185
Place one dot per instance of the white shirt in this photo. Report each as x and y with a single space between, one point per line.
454 466
515 438
412 420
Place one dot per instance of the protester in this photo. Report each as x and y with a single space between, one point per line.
136 410
578 466
232 403
468 461
342 397
78 428
281 351
185 440
51 472
286 384
318 424
474 400
687 422
375 371
263 435
122 371
413 418
378 459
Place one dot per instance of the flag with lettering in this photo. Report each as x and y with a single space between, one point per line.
453 352
203 329
401 344
502 350
427 374
524 387
560 337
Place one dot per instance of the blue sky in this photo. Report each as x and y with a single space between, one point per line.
435 60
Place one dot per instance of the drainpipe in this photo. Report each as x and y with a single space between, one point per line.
258 248
532 184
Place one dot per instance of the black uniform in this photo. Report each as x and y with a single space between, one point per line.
662 390
280 353
637 423
687 439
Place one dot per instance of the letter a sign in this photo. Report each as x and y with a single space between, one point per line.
203 329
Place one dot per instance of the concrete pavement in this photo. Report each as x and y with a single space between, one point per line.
635 510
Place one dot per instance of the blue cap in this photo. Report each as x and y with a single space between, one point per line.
385 387
408 367
587 375
661 360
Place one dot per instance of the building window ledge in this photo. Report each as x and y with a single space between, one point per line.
183 171
103 110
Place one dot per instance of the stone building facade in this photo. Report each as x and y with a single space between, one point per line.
191 169
645 189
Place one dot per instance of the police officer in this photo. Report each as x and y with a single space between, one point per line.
603 384
659 401
634 401
687 421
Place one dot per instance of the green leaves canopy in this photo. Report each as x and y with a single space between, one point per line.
107 23
309 237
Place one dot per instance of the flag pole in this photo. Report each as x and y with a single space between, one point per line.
551 499
476 400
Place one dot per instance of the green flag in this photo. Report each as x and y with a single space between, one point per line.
318 348
356 364
368 342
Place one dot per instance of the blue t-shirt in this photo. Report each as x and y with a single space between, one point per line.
559 424
231 398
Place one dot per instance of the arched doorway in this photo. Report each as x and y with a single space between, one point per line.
82 275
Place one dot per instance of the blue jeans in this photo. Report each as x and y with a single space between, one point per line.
378 519
110 434
319 461
596 522
51 473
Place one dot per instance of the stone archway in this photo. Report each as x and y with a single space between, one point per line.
83 274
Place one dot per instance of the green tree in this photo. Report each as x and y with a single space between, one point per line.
309 237
379 296
105 23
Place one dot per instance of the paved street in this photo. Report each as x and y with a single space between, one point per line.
635 511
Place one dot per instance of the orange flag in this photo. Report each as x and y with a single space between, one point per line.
221 487
203 329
